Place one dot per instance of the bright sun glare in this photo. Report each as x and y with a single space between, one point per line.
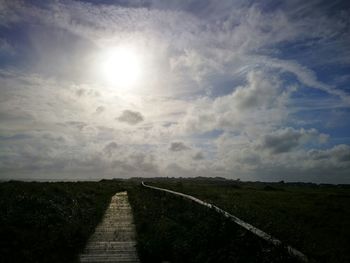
121 66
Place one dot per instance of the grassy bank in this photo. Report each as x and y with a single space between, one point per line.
175 230
50 222
314 219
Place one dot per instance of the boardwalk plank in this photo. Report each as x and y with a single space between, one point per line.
114 238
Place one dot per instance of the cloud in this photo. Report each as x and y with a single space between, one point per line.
110 148
8 14
198 156
130 117
100 109
338 155
305 76
289 159
285 140
178 147
80 125
253 107
341 153
261 92
81 92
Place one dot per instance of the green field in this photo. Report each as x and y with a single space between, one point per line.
51 222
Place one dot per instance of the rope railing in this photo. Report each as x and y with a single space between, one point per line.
291 251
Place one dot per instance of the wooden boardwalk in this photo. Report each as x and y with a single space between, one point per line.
114 237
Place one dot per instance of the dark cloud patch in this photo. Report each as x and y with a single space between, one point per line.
281 143
76 124
130 117
198 156
169 123
110 148
87 92
18 136
100 109
287 139
16 116
80 92
339 154
178 146
53 138
342 153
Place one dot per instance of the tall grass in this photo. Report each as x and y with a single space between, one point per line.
312 218
49 222
173 229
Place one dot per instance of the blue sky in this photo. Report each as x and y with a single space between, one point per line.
256 90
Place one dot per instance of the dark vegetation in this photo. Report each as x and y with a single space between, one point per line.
171 229
49 222
312 218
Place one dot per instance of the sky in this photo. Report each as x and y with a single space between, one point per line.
241 89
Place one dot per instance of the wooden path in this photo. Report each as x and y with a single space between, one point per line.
114 238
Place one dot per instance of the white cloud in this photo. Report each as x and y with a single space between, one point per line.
259 105
306 76
281 156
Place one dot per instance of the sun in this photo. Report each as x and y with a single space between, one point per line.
121 66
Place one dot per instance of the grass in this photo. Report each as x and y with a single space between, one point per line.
175 230
49 222
314 219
